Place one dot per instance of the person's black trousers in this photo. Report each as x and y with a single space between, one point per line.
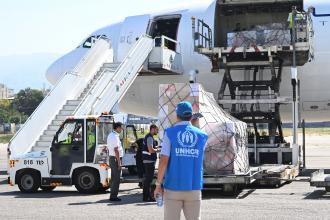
115 177
149 169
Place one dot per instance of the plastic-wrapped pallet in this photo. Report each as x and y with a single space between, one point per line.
275 34
242 39
226 151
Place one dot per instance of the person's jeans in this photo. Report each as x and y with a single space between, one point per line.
149 169
115 177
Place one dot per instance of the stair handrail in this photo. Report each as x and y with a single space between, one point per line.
81 62
126 58
163 40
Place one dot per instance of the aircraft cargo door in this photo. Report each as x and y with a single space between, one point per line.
132 28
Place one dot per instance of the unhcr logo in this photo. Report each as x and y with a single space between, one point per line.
187 139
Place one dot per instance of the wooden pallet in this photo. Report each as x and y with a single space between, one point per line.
276 175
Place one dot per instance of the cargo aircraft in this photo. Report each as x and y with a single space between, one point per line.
142 97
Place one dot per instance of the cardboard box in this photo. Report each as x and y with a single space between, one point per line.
226 151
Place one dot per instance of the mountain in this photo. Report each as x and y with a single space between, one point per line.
26 70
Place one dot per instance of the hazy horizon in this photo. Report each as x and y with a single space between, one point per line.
26 70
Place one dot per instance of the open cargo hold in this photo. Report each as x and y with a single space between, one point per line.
256 30
226 152
258 22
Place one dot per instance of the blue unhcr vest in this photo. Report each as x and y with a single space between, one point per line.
185 166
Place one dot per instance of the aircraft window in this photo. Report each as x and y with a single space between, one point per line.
91 41
88 43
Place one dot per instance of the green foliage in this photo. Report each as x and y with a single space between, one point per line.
5 138
27 100
14 119
10 115
5 103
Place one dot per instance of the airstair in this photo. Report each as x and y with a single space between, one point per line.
96 85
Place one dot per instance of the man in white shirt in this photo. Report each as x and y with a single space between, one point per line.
115 154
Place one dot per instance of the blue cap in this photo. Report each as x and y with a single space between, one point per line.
184 109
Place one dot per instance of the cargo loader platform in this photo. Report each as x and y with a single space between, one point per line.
260 54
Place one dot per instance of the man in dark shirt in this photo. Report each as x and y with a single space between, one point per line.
149 156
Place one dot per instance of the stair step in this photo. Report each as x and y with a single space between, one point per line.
109 69
73 102
61 117
98 74
88 87
43 144
70 107
93 81
57 122
50 132
111 65
46 138
53 127
84 93
66 112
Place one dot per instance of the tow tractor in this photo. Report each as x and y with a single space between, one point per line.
77 156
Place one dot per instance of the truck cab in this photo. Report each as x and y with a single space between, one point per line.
77 156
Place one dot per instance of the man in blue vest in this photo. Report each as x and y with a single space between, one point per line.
181 164
149 156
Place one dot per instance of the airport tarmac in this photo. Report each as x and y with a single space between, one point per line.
296 200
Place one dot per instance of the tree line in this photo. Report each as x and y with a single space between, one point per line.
21 107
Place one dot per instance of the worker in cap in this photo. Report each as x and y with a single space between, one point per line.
180 171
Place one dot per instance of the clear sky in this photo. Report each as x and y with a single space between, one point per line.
58 26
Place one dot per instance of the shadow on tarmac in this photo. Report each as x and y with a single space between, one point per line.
135 198
219 194
318 195
126 199
54 194
42 195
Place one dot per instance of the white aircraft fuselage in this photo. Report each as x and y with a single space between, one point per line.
142 97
